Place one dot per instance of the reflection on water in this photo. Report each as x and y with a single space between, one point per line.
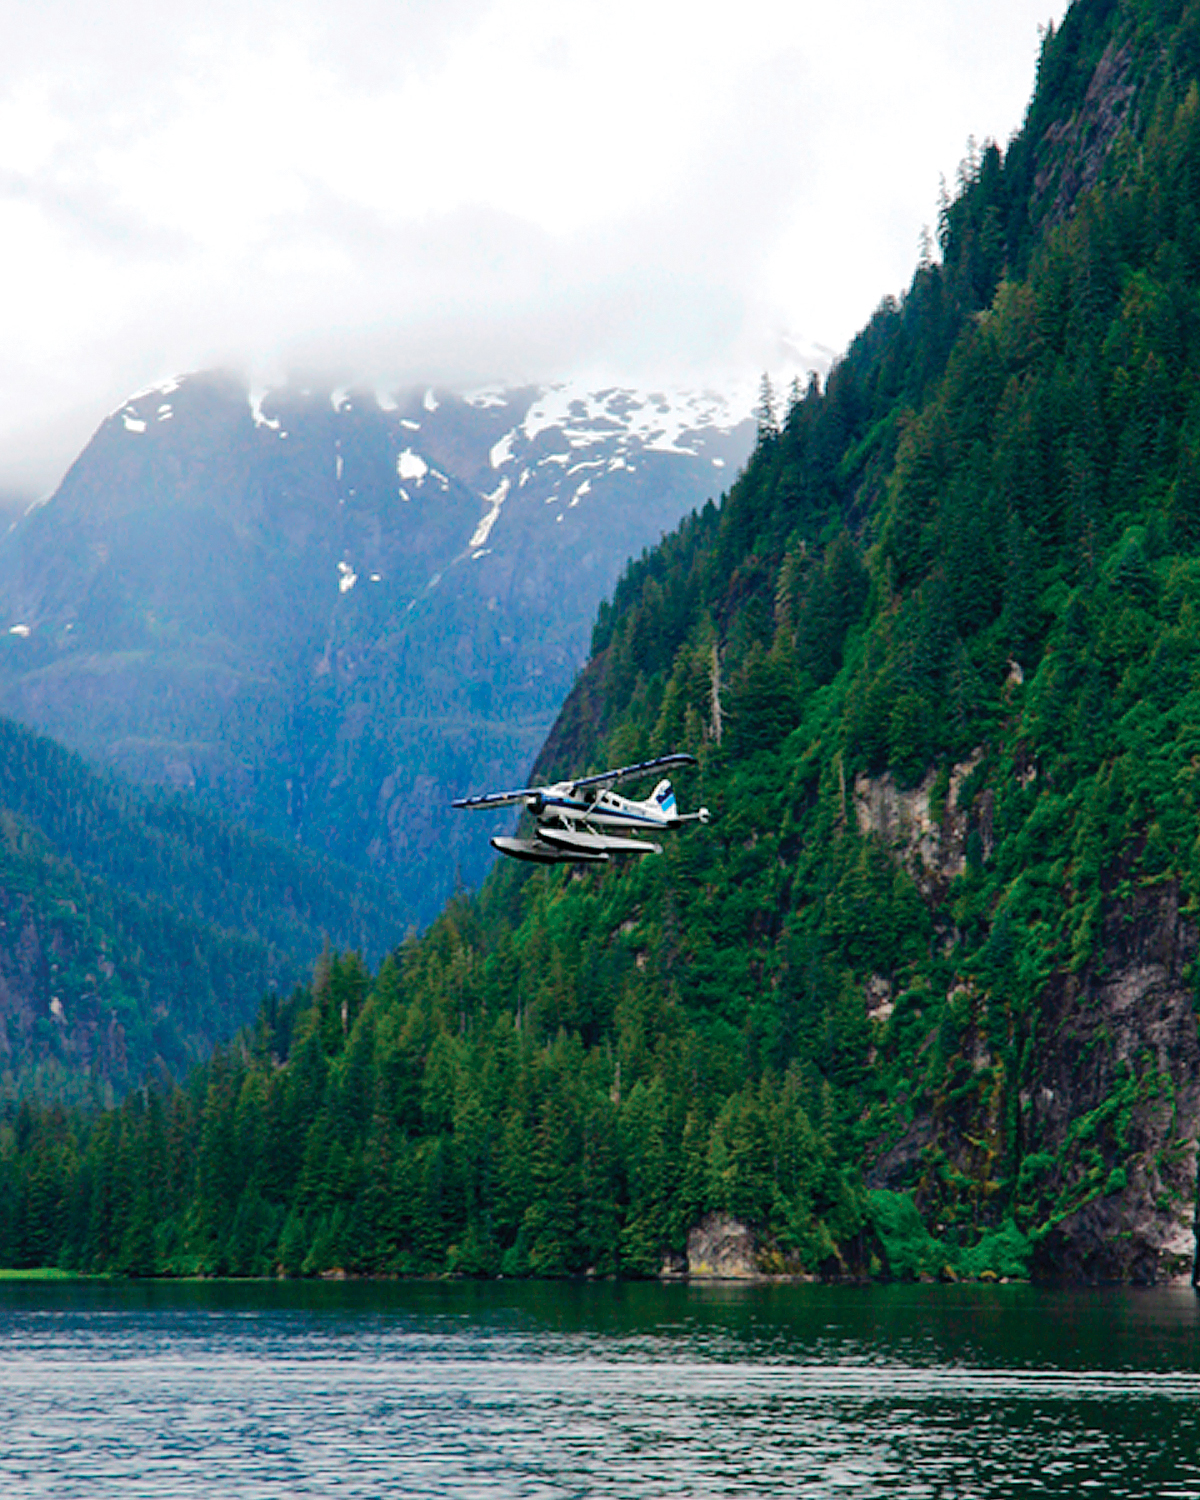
631 1391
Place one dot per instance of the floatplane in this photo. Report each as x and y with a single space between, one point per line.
585 821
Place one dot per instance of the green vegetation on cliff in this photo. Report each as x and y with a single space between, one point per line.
922 996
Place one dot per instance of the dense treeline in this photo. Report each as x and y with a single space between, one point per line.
137 931
435 1133
964 573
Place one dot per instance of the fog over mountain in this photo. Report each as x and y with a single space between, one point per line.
465 192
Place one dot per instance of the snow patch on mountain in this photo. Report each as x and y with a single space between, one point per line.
538 438
258 395
166 388
487 396
411 465
494 501
663 421
657 420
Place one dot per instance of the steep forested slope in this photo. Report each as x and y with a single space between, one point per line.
136 931
922 997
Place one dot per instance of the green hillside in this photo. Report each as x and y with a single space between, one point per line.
137 932
922 999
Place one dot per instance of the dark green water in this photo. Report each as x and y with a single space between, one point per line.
631 1391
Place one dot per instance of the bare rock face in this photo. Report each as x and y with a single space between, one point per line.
1100 1115
1115 1096
1074 150
721 1248
929 841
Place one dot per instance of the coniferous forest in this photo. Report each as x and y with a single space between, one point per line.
137 930
921 999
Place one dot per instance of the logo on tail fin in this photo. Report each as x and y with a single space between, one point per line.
664 796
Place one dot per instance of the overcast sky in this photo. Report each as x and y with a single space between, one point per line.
466 190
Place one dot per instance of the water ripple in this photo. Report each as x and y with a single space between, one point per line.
186 1403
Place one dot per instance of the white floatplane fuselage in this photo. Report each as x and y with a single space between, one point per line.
587 822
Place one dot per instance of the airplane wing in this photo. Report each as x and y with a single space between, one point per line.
500 799
642 768
603 778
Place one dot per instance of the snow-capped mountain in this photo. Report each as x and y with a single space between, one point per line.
331 611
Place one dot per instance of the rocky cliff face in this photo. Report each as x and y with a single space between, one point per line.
721 1248
1113 1096
925 828
1074 149
1103 1109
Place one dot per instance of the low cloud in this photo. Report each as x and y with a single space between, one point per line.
465 191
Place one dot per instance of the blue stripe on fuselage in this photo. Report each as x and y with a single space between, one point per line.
572 804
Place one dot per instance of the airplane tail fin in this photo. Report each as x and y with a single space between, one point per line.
664 798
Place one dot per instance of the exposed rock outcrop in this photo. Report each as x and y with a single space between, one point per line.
1074 150
1114 1094
1101 1112
721 1248
929 840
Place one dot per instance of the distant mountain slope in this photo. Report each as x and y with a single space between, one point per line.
137 932
329 612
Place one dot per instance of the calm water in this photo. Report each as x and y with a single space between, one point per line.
554 1391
